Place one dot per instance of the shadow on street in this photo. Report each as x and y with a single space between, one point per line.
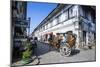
75 52
44 48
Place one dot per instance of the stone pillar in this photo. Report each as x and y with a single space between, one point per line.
87 39
77 40
76 32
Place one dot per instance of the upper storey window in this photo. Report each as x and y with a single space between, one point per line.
71 12
54 22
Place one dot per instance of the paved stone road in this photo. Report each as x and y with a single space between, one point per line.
47 56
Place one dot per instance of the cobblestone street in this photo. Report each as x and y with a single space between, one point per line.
47 56
52 33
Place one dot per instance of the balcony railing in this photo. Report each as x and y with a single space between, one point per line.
21 22
20 39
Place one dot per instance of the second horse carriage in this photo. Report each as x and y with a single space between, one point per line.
64 42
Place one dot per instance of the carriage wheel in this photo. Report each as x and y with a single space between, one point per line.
68 52
65 51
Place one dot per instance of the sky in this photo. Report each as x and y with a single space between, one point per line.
38 12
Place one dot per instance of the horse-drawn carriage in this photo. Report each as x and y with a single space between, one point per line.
64 42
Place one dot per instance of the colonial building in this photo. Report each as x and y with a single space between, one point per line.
79 19
19 27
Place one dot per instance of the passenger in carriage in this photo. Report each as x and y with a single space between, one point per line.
50 37
64 40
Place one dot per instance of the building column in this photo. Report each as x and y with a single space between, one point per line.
77 40
87 38
80 39
76 32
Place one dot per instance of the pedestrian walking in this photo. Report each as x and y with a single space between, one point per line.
35 49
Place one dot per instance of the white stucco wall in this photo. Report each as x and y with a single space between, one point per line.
70 25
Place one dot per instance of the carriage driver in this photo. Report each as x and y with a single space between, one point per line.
71 39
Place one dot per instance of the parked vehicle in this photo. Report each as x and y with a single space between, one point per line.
64 42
